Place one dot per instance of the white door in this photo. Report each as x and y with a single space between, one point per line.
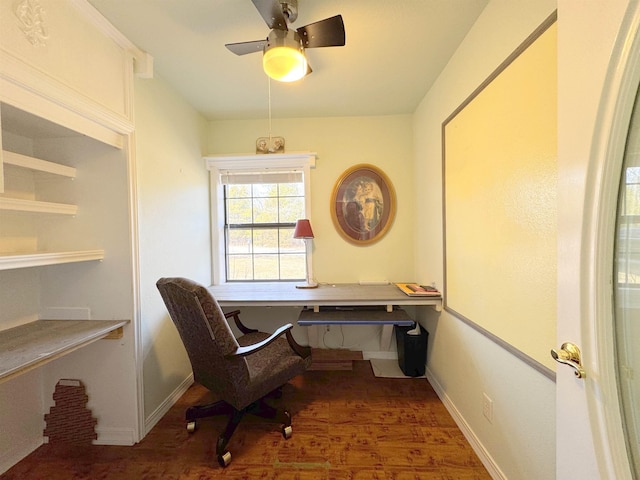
598 72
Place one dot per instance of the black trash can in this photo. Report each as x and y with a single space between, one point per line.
412 351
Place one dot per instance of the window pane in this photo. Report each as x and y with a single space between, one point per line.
292 267
265 240
265 189
240 267
288 244
265 210
266 267
238 211
632 175
629 253
238 191
632 200
291 209
292 189
239 240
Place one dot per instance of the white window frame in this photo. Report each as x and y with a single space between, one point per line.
217 164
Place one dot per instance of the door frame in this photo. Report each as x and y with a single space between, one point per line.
612 126
602 189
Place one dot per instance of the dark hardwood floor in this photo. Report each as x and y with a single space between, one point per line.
346 425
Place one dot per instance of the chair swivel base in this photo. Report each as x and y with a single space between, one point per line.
259 408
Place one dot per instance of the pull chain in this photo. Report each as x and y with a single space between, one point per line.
270 137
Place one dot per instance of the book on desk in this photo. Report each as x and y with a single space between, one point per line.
416 290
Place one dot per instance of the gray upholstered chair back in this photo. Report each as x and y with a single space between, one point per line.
206 335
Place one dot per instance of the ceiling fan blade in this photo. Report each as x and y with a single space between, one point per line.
325 33
242 48
271 12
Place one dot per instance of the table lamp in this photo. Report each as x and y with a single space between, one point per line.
303 231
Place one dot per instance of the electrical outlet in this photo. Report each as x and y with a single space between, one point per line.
487 407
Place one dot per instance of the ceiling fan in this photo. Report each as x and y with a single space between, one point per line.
283 50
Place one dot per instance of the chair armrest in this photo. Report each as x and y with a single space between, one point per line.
249 349
236 318
302 351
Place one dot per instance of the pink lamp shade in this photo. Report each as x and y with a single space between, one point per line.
303 229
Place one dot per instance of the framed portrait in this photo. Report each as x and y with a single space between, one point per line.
363 204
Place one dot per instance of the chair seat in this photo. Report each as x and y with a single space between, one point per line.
276 357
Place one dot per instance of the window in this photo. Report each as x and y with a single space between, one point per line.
628 241
260 214
255 203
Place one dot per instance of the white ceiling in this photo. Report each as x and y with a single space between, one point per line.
395 49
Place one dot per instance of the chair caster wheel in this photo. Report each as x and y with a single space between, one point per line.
224 459
287 431
191 426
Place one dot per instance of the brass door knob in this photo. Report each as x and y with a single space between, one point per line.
569 354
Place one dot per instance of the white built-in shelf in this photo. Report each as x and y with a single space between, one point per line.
39 259
37 206
36 164
31 345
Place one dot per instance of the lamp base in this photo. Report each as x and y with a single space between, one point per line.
307 285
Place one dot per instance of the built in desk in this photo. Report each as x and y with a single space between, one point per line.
31 345
347 297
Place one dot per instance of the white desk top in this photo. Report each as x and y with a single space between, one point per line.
33 344
340 294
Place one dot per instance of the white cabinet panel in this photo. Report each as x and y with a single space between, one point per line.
38 33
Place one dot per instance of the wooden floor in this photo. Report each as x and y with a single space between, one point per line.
346 425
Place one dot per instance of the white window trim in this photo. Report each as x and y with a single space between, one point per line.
218 163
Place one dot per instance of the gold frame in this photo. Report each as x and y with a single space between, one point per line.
363 220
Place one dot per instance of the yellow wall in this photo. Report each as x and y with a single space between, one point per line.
500 185
385 141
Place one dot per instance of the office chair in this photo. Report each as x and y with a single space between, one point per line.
241 372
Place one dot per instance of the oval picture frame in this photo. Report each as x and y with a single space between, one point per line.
363 204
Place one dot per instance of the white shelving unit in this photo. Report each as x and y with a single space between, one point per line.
9 261
67 224
64 254
13 261
37 206
36 164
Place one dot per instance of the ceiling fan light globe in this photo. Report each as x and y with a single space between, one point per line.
284 64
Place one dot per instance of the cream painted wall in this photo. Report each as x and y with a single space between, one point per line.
173 213
462 363
341 142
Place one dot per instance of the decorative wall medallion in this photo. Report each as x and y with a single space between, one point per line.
270 145
30 16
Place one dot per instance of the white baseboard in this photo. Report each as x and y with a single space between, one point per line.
164 407
474 441
10 457
114 436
